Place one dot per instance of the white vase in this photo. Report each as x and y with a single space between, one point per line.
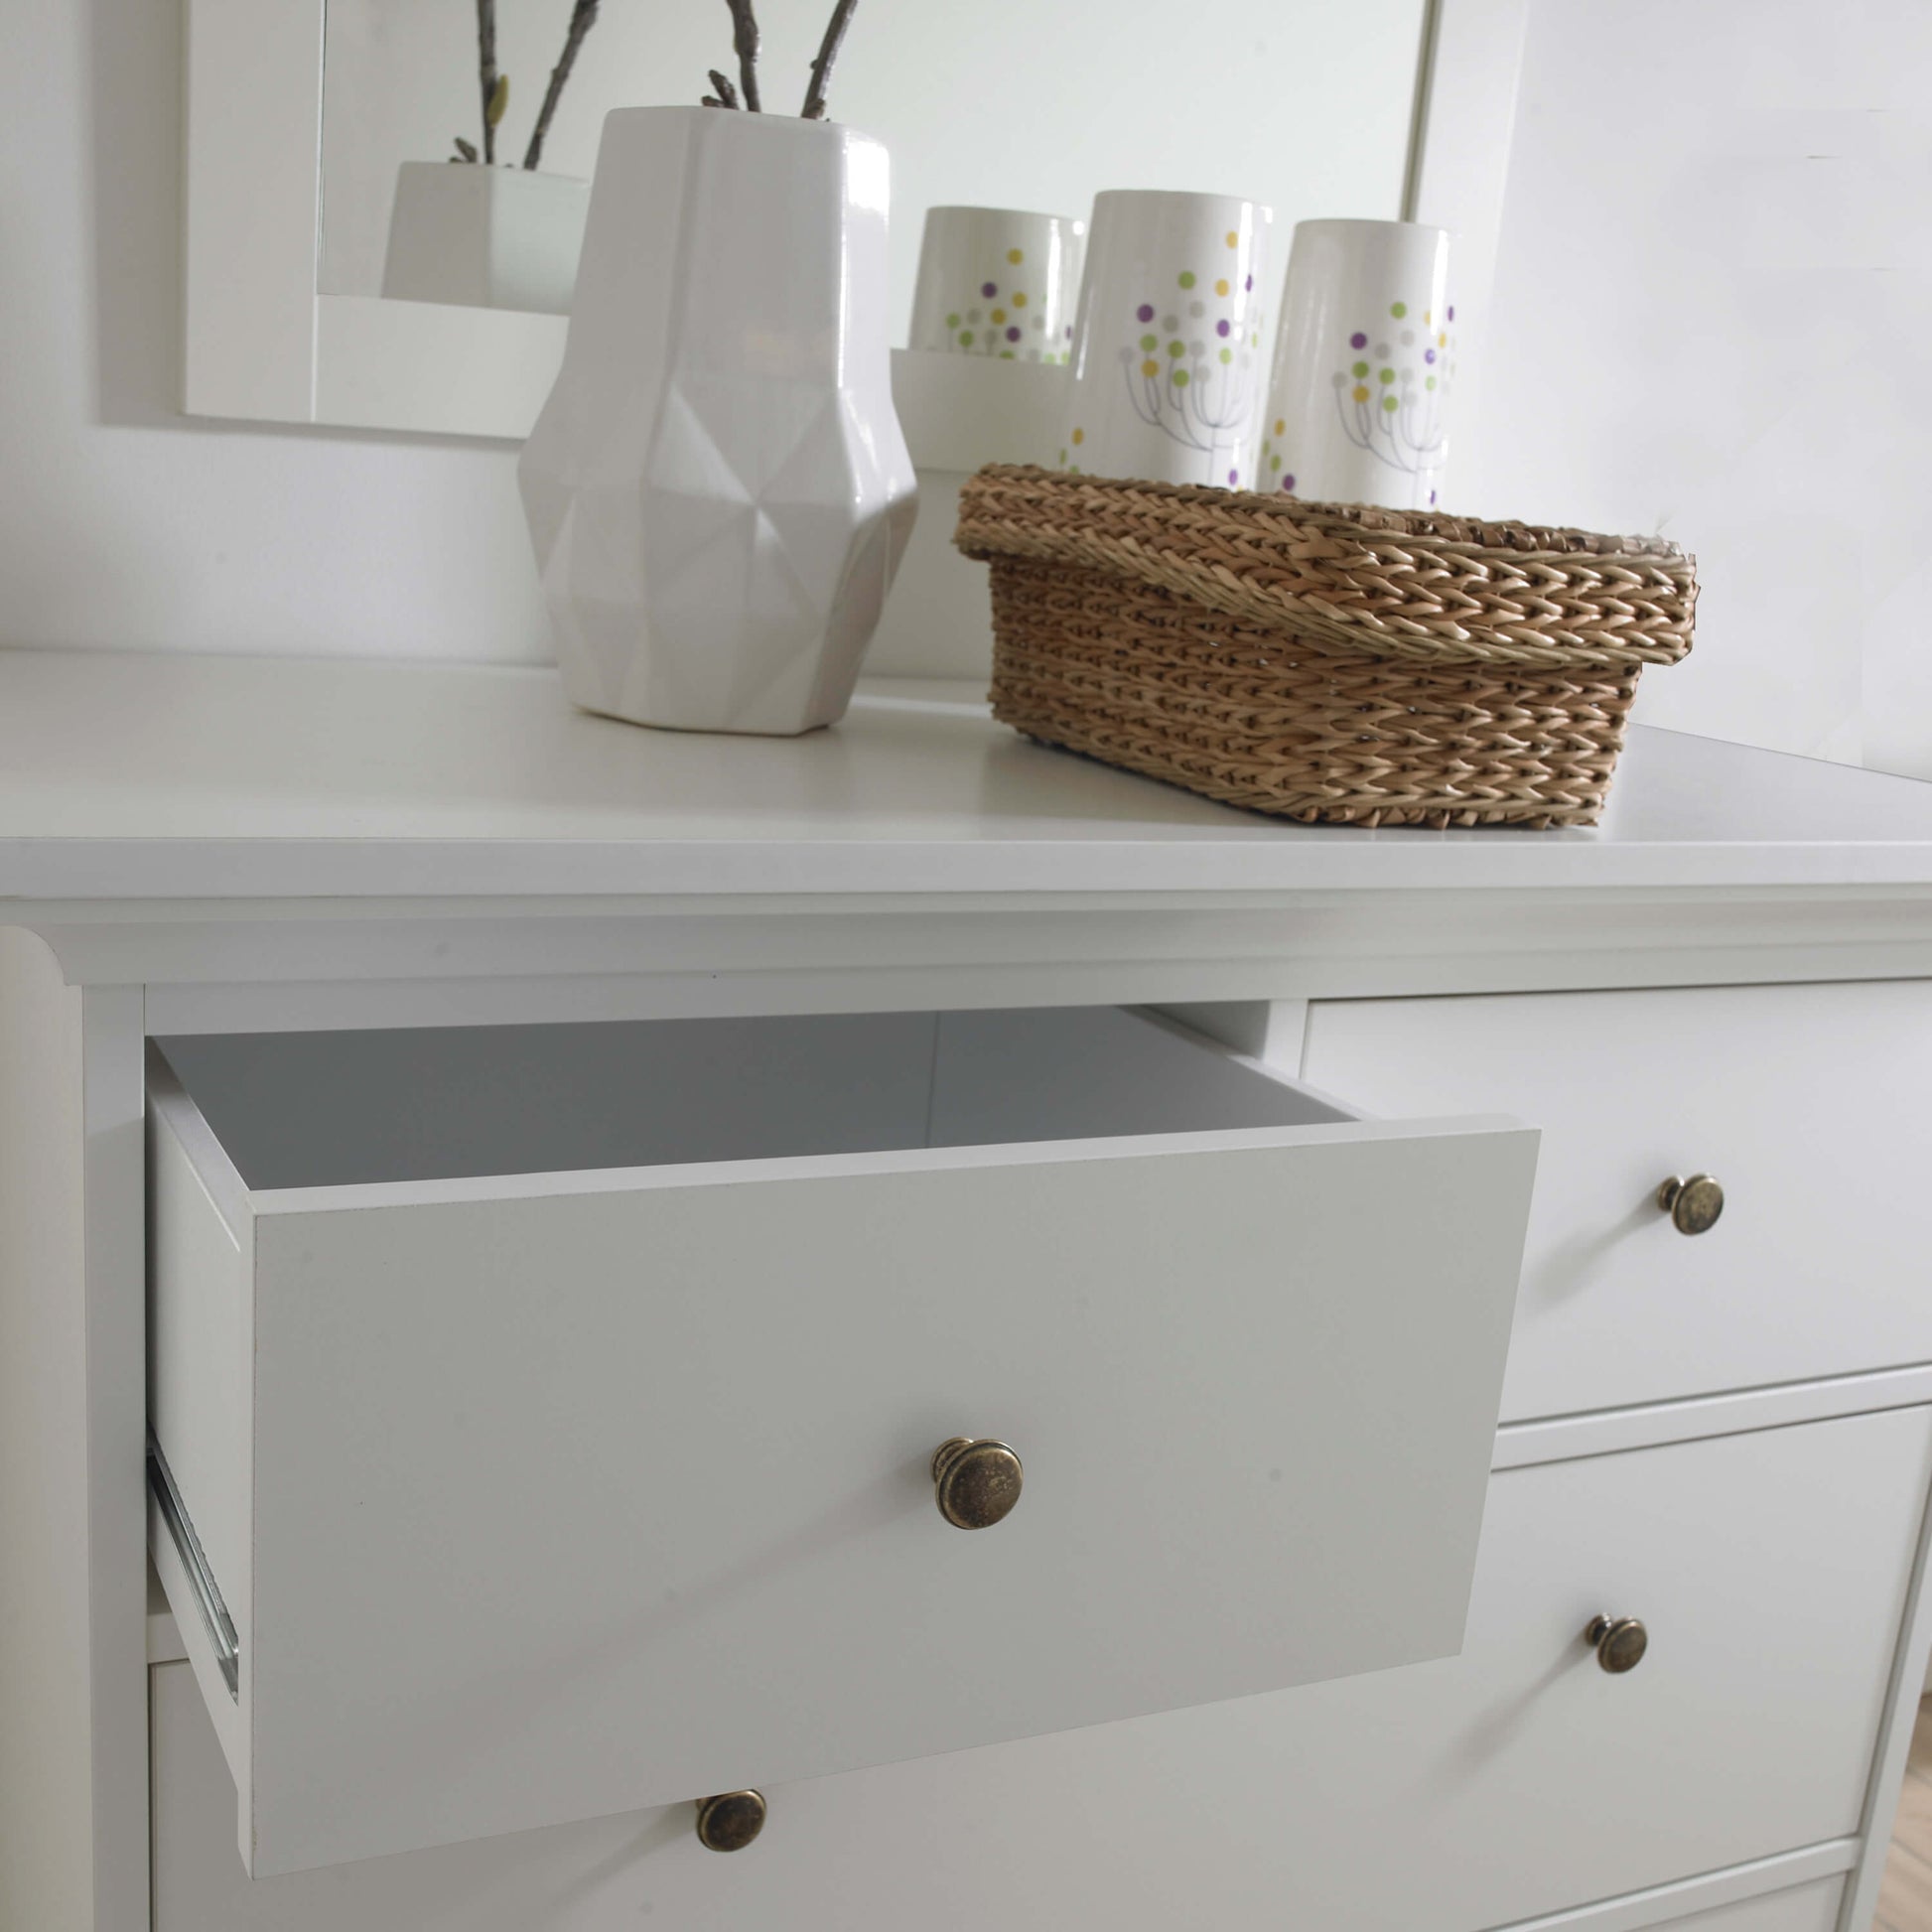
485 237
717 488
1359 402
1167 344
999 283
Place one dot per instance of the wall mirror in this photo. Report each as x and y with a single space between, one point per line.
319 135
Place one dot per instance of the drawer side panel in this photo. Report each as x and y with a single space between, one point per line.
201 1399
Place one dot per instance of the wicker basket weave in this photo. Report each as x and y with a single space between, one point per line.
1320 661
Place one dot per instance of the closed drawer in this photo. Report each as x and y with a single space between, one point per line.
553 1410
1802 1909
1806 1102
1514 1781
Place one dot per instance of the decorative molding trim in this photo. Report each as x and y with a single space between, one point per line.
1668 1904
1563 1438
999 950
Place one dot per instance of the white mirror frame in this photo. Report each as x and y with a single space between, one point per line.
260 342
263 345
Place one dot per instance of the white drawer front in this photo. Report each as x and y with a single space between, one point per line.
1807 1103
551 1495
1803 1908
1511 1783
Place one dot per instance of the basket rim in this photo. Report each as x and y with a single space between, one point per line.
1438 528
1417 584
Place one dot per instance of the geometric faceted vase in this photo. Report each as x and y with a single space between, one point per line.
717 488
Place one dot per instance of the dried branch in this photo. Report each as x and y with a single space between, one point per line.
583 16
828 52
464 150
745 39
486 63
725 93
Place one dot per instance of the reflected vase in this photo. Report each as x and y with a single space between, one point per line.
485 237
717 489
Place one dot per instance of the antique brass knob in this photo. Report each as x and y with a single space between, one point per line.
730 1821
1620 1642
976 1482
1692 1205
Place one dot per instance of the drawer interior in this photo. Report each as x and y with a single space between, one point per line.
329 1109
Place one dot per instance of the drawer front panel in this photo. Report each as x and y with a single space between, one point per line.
1514 1782
573 1496
1808 1103
1804 1908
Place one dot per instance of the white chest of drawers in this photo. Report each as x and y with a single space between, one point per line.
554 1232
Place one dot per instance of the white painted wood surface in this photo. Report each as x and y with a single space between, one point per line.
577 1491
290 779
1806 1909
1520 1444
46 1774
72 1651
1498 1788
200 1377
1805 1101
508 867
164 1639
112 1437
267 966
1767 1895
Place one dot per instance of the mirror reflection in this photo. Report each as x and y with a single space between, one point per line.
460 136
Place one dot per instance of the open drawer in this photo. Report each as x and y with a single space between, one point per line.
547 1416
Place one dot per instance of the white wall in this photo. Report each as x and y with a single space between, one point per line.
1712 318
123 526
119 524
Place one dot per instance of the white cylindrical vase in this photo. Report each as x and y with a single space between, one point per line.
1357 405
1166 372
717 489
997 282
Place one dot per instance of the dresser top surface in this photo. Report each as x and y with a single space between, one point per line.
164 776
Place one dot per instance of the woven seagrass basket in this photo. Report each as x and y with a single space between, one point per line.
1323 662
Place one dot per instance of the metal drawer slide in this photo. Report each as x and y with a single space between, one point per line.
215 1613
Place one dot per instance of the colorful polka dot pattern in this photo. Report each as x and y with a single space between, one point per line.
1000 327
1189 361
1390 404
